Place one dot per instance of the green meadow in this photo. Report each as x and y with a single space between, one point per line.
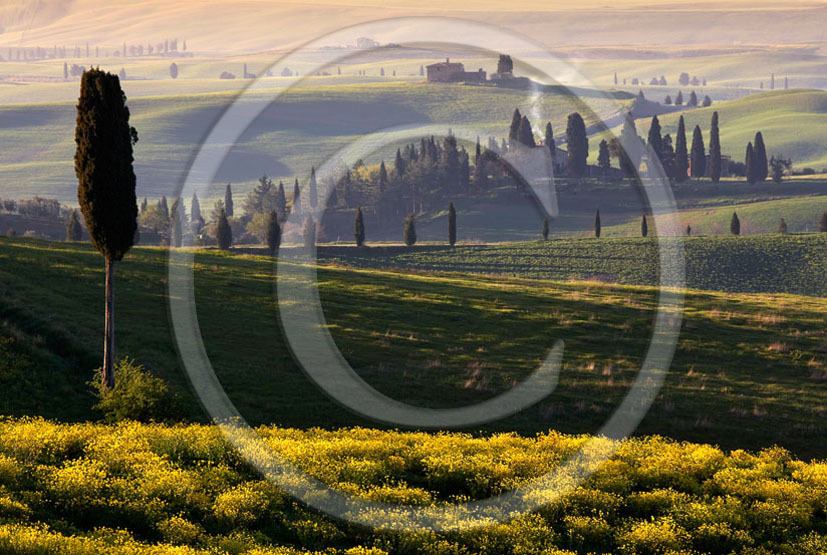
748 371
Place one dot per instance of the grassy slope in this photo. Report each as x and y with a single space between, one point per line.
304 128
748 371
793 123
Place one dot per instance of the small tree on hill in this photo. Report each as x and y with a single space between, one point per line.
545 229
604 160
714 150
173 70
778 167
749 164
549 141
782 227
698 154
514 129
228 201
74 231
693 99
707 101
452 225
106 183
297 198
667 100
735 225
644 227
359 228
223 231
409 233
597 224
822 225
309 232
176 224
760 158
679 99
273 231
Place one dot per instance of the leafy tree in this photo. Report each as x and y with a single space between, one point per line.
577 145
257 226
106 183
309 232
514 130
693 99
273 231
624 148
452 225
760 158
223 231
714 150
749 164
822 225
778 167
173 70
409 233
228 200
597 224
735 225
698 154
683 79
359 228
782 227
679 99
545 229
603 158
644 227
154 219
524 134
74 231
312 189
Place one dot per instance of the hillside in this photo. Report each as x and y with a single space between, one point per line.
304 127
748 371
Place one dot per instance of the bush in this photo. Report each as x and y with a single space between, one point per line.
137 395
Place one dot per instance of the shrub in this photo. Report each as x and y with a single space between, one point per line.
137 395
652 537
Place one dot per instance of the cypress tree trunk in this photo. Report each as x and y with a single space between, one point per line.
109 339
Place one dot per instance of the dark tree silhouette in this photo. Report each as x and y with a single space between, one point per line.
597 223
106 183
782 227
735 225
312 189
223 231
74 231
759 158
822 225
297 198
309 232
655 138
749 164
604 160
545 229
525 134
681 153
644 227
173 70
698 154
228 201
714 150
514 130
549 141
359 228
409 233
273 232
577 145
452 225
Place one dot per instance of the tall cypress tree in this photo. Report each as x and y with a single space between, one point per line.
597 224
162 204
399 164
312 189
822 225
698 154
383 177
195 209
74 231
228 201
525 133
604 160
759 158
297 198
176 224
735 225
106 183
655 138
681 153
514 130
223 231
714 150
577 145
549 141
749 164
309 232
452 225
273 232
409 233
281 202
782 227
359 228
450 163
644 227
545 229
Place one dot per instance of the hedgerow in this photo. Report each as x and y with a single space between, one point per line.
152 488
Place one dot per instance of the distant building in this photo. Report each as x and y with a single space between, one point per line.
365 43
452 72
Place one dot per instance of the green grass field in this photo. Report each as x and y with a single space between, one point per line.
748 371
136 489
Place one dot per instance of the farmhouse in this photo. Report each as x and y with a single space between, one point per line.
452 72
